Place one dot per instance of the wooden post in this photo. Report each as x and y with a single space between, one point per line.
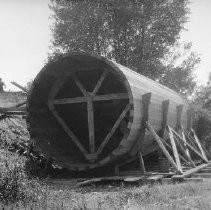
145 103
165 108
199 145
175 152
179 115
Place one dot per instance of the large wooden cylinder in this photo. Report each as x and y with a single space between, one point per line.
86 111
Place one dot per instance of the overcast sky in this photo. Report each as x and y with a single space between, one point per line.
25 37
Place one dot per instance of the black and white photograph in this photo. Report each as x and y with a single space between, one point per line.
105 104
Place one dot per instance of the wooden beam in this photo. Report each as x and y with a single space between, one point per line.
90 112
69 132
79 85
99 83
141 163
112 131
145 102
192 148
70 100
165 108
14 113
112 96
190 172
21 87
199 145
178 117
175 152
159 142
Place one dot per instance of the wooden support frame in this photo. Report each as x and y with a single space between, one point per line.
169 147
183 150
89 98
189 146
146 98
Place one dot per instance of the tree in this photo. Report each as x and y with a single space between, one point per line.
179 65
203 96
135 33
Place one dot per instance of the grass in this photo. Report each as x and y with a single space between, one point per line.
17 191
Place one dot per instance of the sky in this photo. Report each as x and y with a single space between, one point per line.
25 38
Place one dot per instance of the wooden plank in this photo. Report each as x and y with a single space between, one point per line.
141 163
199 145
178 119
175 152
190 172
112 131
165 108
90 112
193 149
80 86
112 96
70 100
202 175
159 142
145 103
14 113
21 87
99 83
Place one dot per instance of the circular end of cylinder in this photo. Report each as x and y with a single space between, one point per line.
80 111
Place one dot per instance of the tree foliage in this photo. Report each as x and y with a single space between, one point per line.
203 96
135 33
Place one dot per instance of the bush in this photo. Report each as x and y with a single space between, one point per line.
15 186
